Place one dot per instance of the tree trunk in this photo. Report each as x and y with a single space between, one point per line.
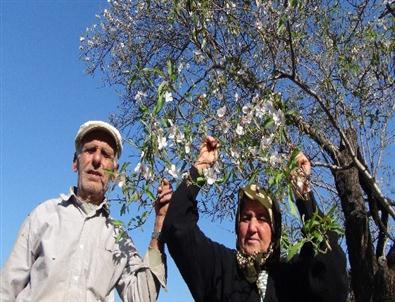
359 242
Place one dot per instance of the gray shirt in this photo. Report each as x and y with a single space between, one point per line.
65 253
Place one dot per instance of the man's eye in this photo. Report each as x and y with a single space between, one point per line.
107 154
90 150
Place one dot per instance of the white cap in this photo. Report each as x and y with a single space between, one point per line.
99 125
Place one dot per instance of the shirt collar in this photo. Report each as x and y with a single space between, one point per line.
71 197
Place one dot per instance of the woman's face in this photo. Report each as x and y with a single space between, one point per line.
254 230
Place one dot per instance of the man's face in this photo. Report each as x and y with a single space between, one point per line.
97 154
254 231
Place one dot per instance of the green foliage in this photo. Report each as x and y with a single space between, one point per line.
315 232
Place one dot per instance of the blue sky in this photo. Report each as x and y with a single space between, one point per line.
45 96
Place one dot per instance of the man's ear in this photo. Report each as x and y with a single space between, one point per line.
75 163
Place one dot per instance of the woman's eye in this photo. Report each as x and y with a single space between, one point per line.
263 219
245 218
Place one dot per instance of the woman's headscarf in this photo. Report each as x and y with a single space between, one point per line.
251 265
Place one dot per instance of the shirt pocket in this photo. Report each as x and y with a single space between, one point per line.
104 273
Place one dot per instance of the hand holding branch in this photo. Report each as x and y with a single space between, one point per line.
208 153
165 191
300 177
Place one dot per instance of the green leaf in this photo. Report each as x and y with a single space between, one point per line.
159 104
143 109
117 223
281 26
294 3
149 194
294 249
170 71
201 180
292 207
269 122
119 236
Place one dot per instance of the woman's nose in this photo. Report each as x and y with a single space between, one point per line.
252 226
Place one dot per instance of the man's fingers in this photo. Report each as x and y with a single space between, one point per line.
164 182
164 186
165 195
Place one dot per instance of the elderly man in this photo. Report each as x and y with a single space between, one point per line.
67 249
254 271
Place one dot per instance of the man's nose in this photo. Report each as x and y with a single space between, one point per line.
97 157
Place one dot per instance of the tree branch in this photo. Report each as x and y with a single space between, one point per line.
364 172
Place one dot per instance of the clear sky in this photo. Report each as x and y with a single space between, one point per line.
45 96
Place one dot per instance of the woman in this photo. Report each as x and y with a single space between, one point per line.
254 271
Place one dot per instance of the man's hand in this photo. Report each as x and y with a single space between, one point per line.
165 191
208 153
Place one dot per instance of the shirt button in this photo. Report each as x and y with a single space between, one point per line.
81 246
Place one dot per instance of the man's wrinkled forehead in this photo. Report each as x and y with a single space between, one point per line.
99 135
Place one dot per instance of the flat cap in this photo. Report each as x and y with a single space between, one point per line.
89 126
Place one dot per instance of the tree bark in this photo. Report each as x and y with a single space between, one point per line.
358 237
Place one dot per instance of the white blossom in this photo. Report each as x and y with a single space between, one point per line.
180 137
139 95
187 148
225 126
275 159
180 67
162 142
237 97
210 175
260 111
247 109
253 150
278 118
121 179
173 171
247 119
221 112
148 174
239 130
268 107
234 153
138 167
266 141
168 97
198 55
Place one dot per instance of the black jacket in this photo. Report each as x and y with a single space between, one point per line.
212 274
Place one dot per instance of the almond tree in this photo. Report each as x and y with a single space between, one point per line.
265 78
